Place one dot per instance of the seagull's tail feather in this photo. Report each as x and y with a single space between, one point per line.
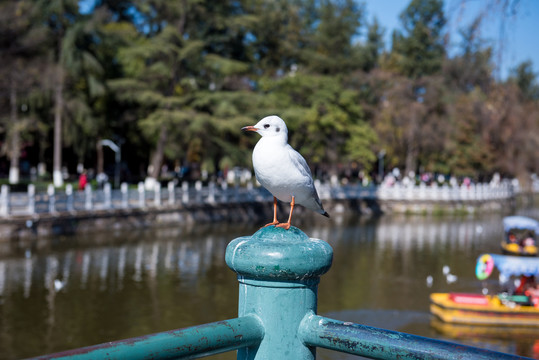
315 204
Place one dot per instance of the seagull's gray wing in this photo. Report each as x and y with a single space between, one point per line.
299 162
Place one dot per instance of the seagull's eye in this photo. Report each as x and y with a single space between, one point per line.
266 126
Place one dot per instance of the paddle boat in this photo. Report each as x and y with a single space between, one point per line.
518 308
520 234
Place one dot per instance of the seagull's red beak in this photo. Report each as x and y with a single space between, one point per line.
249 128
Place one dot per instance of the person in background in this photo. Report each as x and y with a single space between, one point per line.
528 240
83 180
526 283
512 238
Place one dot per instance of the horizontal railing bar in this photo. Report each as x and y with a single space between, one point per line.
384 344
189 343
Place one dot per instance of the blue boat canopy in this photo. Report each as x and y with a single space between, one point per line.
520 222
506 265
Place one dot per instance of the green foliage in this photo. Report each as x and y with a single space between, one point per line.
419 51
526 80
331 49
176 80
326 120
374 46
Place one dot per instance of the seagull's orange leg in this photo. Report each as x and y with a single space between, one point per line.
286 225
275 222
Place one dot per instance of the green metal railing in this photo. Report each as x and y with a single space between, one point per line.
278 273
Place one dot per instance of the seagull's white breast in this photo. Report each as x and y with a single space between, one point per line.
279 169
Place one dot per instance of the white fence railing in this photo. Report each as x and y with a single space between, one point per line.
473 192
70 200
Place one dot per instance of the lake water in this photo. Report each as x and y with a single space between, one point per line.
68 292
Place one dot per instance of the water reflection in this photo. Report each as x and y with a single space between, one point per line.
105 268
83 291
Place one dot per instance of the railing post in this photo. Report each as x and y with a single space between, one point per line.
52 200
108 195
31 199
171 194
250 191
125 195
157 194
185 192
211 192
236 197
141 193
4 200
88 197
69 197
224 191
198 188
278 271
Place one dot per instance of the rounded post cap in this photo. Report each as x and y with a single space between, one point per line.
277 254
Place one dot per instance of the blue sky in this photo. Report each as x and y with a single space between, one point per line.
520 39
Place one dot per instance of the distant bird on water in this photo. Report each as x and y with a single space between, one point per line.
282 170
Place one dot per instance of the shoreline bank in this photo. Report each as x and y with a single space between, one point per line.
258 212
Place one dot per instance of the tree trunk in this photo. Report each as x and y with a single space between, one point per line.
100 161
58 108
14 150
157 159
333 159
412 141
411 159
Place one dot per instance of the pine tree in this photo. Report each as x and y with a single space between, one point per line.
373 47
526 80
61 18
18 74
419 50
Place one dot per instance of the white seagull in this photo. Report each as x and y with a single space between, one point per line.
282 170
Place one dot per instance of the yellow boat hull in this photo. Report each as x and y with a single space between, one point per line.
492 312
515 249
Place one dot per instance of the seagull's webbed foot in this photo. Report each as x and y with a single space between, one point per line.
285 226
